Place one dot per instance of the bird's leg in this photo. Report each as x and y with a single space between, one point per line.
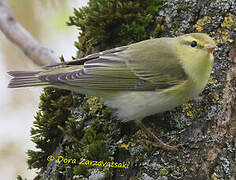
157 142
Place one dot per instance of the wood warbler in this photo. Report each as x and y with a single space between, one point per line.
137 80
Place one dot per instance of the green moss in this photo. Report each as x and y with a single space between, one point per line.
158 29
94 138
56 127
97 151
108 174
176 26
81 170
137 177
109 23
53 111
148 148
93 105
20 178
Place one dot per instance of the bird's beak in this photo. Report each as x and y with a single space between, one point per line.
210 48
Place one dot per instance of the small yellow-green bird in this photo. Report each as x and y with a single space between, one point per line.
137 80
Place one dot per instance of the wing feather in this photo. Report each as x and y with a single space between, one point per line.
121 69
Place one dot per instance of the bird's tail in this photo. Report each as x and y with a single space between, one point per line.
25 79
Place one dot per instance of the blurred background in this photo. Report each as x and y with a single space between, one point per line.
46 21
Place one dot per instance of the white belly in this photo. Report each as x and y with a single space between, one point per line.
137 105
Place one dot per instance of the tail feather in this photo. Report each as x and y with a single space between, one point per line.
22 73
25 79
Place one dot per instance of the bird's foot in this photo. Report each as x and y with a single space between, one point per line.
161 144
157 142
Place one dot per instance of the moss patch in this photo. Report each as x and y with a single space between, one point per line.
53 112
105 24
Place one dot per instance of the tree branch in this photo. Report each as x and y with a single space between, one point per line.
16 33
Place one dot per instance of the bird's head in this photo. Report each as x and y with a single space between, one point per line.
195 53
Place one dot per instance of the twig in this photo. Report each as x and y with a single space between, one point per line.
16 33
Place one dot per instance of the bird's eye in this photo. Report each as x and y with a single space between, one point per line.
193 44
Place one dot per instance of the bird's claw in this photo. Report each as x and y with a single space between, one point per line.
163 145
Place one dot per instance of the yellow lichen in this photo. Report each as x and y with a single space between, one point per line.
201 22
212 80
189 110
126 146
216 97
217 40
227 25
140 133
214 176
224 36
186 106
228 21
224 90
164 172
212 33
189 114
94 105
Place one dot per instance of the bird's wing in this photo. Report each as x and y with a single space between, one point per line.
81 61
104 70
163 66
98 73
120 69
